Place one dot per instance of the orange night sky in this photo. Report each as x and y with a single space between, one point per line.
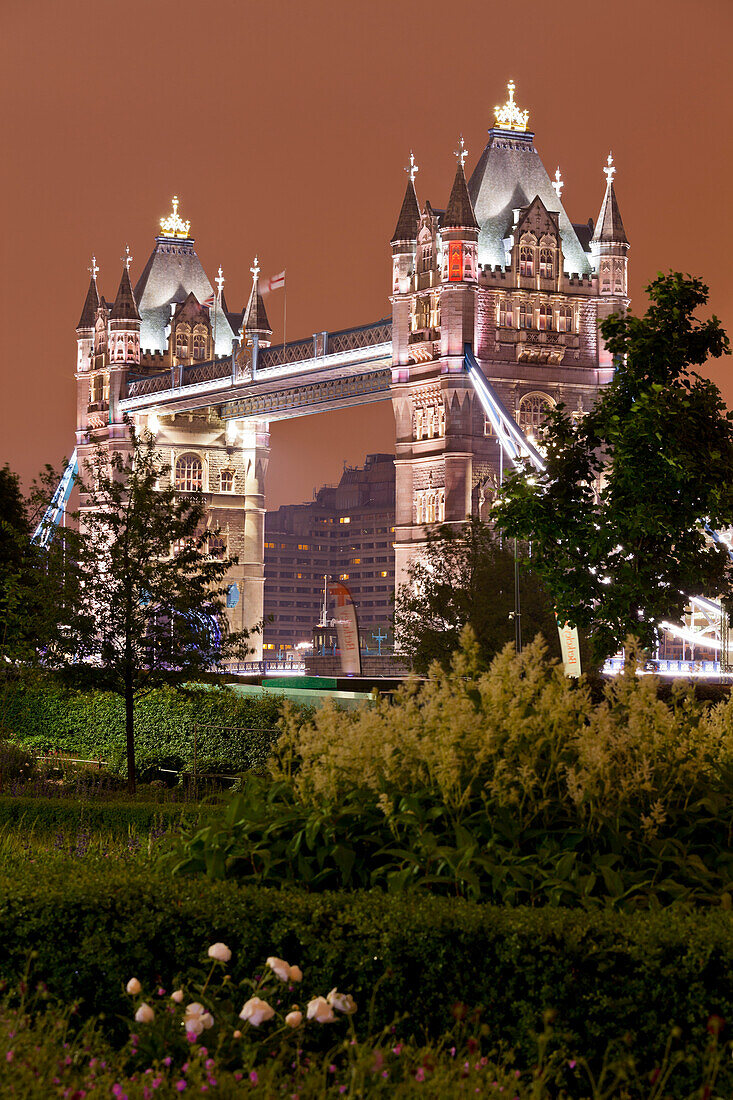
284 128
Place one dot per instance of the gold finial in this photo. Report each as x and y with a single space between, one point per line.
509 117
610 171
412 169
174 225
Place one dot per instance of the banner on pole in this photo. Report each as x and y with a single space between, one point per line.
347 628
570 647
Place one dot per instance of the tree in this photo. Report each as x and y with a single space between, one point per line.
466 577
619 517
152 580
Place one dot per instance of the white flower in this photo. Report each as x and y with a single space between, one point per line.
144 1014
320 1010
279 967
294 1019
342 1002
196 1018
177 996
256 1011
133 987
296 974
220 952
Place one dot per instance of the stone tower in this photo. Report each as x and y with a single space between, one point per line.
503 269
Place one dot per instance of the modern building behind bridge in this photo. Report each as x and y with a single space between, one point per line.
346 533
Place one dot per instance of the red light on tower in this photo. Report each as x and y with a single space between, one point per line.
455 262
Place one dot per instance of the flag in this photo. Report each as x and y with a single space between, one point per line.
210 300
277 282
347 629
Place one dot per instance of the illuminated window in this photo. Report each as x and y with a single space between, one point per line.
383 573
526 262
545 318
199 345
488 429
525 315
189 474
565 319
182 342
345 519
356 561
506 314
303 546
268 645
533 410
343 576
226 481
547 266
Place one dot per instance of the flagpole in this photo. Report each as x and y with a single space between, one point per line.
285 311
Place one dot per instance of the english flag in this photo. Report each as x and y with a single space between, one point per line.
277 282
209 301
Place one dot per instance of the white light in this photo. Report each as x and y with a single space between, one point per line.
153 423
232 432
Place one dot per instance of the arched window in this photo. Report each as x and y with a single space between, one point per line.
506 313
441 505
226 481
181 343
547 266
216 546
419 507
418 423
544 318
199 345
430 506
189 474
526 261
565 319
525 315
533 410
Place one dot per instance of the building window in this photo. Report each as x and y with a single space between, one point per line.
526 262
181 343
547 266
565 319
506 313
217 546
189 474
343 576
199 345
226 481
525 315
545 318
533 410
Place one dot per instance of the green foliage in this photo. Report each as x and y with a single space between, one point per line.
604 974
15 763
623 552
507 784
466 578
113 819
47 715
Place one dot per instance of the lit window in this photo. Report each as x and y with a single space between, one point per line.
268 645
345 519
525 315
547 266
545 318
565 319
383 573
189 474
199 345
303 546
181 343
533 410
343 576
226 481
299 577
506 314
526 262
269 546
356 561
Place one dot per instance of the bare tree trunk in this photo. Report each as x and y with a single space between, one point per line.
130 732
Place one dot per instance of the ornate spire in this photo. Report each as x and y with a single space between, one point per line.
91 302
174 225
509 117
125 307
406 228
609 227
460 213
255 315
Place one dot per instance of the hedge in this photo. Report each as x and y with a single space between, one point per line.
47 715
112 818
606 974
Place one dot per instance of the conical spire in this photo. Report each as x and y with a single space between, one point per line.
125 307
460 213
255 315
609 227
407 223
91 305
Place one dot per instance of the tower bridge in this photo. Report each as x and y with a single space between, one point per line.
501 267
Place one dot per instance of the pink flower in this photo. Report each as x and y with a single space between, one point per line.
9 1056
253 1077
420 1075
180 1085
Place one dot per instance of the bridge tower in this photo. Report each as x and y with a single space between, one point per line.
503 269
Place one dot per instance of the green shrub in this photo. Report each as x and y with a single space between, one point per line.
46 715
606 974
113 818
15 763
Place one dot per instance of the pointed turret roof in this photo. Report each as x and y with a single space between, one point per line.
91 305
609 227
406 229
125 307
255 315
460 213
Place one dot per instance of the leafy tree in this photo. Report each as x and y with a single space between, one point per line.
466 577
618 519
156 606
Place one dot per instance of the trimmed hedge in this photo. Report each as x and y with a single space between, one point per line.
606 974
113 818
48 715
